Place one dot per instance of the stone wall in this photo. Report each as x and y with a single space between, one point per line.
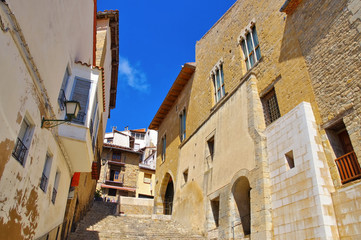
136 206
301 185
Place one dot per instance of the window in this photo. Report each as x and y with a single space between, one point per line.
250 47
147 177
270 107
215 210
94 122
164 144
346 160
182 117
290 159
218 82
23 142
55 188
62 96
185 176
46 173
81 94
116 157
112 192
210 144
139 136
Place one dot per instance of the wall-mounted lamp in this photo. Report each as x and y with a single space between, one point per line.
104 161
72 109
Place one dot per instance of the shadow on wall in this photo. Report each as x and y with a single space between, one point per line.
307 26
98 212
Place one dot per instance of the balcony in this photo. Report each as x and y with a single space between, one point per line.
348 167
115 180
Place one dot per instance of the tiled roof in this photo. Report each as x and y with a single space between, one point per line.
184 75
141 130
113 16
127 149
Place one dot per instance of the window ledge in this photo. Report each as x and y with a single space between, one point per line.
220 102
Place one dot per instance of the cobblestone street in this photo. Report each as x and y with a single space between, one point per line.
101 223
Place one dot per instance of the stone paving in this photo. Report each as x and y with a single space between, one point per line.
101 223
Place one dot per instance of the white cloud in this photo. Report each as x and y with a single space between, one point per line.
134 76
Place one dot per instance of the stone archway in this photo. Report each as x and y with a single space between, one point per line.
166 196
241 192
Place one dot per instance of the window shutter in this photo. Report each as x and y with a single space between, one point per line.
81 94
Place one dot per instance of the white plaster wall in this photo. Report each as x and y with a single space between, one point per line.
151 138
57 33
121 140
301 201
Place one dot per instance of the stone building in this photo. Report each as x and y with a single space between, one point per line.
48 60
127 170
260 137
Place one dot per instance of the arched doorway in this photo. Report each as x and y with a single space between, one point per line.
168 198
241 193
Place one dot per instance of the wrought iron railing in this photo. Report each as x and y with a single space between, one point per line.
53 197
19 151
348 167
43 182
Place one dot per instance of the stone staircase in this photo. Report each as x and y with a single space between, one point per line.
101 223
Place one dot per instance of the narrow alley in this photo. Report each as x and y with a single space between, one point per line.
102 223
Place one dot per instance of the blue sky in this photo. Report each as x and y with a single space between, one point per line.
155 39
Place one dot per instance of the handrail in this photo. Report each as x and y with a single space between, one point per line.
348 167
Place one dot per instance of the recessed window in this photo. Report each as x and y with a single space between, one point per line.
164 145
46 173
147 178
210 144
185 176
270 107
182 123
215 210
290 160
218 82
112 192
55 188
62 96
250 47
23 141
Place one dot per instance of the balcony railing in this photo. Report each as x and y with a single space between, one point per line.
115 181
43 182
19 151
348 167
53 197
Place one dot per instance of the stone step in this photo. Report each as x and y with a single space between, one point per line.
101 223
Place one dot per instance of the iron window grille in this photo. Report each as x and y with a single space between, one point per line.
270 107
53 197
19 151
43 182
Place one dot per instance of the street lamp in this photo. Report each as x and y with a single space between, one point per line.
71 108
